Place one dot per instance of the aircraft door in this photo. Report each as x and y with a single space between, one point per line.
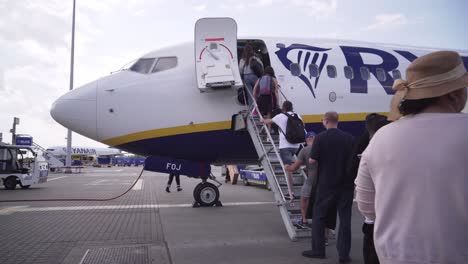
216 54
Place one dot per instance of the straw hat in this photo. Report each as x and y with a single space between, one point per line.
431 75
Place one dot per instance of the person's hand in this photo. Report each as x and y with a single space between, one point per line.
311 161
287 168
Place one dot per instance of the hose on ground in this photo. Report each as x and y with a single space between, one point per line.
77 199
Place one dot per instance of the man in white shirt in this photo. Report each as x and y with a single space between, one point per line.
287 150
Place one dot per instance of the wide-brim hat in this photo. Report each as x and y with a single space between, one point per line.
432 75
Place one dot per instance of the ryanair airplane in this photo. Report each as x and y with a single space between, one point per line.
188 92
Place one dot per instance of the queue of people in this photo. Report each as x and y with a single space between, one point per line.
410 176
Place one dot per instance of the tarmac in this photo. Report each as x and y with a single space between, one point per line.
148 225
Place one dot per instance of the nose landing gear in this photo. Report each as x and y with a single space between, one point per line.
206 194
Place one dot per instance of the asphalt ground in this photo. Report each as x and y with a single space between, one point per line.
148 225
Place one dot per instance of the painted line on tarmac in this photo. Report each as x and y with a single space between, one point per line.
25 209
138 185
56 178
105 171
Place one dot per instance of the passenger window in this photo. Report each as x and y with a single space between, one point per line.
143 65
331 71
295 69
348 72
314 70
396 74
381 75
365 74
164 64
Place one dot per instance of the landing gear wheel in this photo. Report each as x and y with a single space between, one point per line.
195 191
206 194
10 183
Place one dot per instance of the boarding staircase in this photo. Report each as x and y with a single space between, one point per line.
51 159
267 147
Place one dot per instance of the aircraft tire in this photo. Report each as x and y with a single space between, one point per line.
10 183
206 194
195 191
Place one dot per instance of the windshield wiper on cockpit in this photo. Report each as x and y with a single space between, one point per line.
125 67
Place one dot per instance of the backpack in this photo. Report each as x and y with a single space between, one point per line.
265 85
256 67
295 131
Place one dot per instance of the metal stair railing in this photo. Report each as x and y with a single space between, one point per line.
271 161
252 108
302 145
48 156
287 208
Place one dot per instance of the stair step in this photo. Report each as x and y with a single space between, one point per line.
270 159
294 211
295 218
295 189
293 206
303 233
296 181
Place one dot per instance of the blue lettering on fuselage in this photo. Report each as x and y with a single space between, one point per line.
407 55
310 55
353 56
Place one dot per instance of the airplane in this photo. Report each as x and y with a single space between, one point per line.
188 92
60 151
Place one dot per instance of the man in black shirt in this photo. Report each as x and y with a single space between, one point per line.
331 150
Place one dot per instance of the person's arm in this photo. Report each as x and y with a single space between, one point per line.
268 121
255 88
314 153
241 65
271 121
276 88
365 189
298 163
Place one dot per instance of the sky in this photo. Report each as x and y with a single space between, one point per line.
35 39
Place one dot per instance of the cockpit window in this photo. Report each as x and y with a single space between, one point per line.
165 64
143 65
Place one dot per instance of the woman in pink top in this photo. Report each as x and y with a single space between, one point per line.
413 176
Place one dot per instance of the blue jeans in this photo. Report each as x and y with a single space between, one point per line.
324 200
249 83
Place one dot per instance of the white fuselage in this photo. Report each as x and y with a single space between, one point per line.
61 151
165 114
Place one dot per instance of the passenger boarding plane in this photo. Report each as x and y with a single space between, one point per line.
174 102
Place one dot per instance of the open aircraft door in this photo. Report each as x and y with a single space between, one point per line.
216 54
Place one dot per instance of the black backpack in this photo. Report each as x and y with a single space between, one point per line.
256 67
295 131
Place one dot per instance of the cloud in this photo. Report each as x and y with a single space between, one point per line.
386 21
317 8
200 7
263 3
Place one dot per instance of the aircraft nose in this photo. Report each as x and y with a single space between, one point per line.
76 110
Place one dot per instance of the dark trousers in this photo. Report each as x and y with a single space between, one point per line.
171 178
324 201
370 256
